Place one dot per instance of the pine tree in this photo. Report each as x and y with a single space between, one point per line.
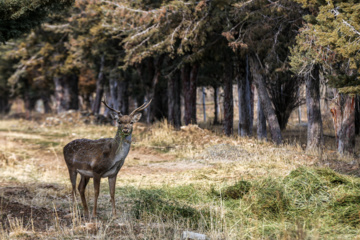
19 16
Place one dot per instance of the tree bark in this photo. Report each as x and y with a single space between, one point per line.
261 122
204 103
265 100
189 76
71 89
154 68
216 105
343 112
244 95
46 101
4 105
357 115
123 93
59 94
174 111
114 101
99 87
315 138
228 99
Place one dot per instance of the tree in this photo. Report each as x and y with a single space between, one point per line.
18 16
330 39
245 96
265 30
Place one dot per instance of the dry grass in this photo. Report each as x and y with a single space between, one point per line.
172 181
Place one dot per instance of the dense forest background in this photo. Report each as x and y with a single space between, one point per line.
71 55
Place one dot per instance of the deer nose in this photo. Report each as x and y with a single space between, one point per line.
126 130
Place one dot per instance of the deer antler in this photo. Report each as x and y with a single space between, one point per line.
104 102
142 107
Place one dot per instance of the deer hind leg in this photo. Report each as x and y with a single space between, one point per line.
97 179
112 183
82 185
73 175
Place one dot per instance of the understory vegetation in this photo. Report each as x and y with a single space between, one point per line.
175 181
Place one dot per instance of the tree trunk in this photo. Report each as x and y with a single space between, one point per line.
154 67
265 100
71 92
252 87
216 105
174 111
46 101
123 91
244 95
204 103
114 101
343 112
228 99
315 138
357 115
59 94
4 105
108 98
261 122
99 87
189 76
193 79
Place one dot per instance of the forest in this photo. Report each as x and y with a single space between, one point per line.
261 60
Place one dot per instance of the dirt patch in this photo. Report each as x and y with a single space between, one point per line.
38 218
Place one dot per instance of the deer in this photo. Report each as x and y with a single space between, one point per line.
101 158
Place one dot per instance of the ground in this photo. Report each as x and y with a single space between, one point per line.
171 181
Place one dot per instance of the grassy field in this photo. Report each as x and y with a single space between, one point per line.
175 181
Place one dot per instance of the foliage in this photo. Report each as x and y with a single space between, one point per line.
330 38
19 16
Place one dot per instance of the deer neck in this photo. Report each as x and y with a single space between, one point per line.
122 139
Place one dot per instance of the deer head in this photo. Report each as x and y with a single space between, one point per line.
126 122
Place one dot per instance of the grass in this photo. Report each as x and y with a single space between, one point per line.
175 181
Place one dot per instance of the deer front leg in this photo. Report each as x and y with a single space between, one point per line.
112 183
82 185
97 179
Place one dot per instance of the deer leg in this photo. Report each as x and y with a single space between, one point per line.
73 175
112 183
82 185
97 179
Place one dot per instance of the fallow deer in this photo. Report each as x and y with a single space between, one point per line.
101 158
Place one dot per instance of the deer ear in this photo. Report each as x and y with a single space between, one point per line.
136 118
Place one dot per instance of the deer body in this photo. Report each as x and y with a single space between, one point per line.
107 159
100 158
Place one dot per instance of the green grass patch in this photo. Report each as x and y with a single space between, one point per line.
154 202
236 191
